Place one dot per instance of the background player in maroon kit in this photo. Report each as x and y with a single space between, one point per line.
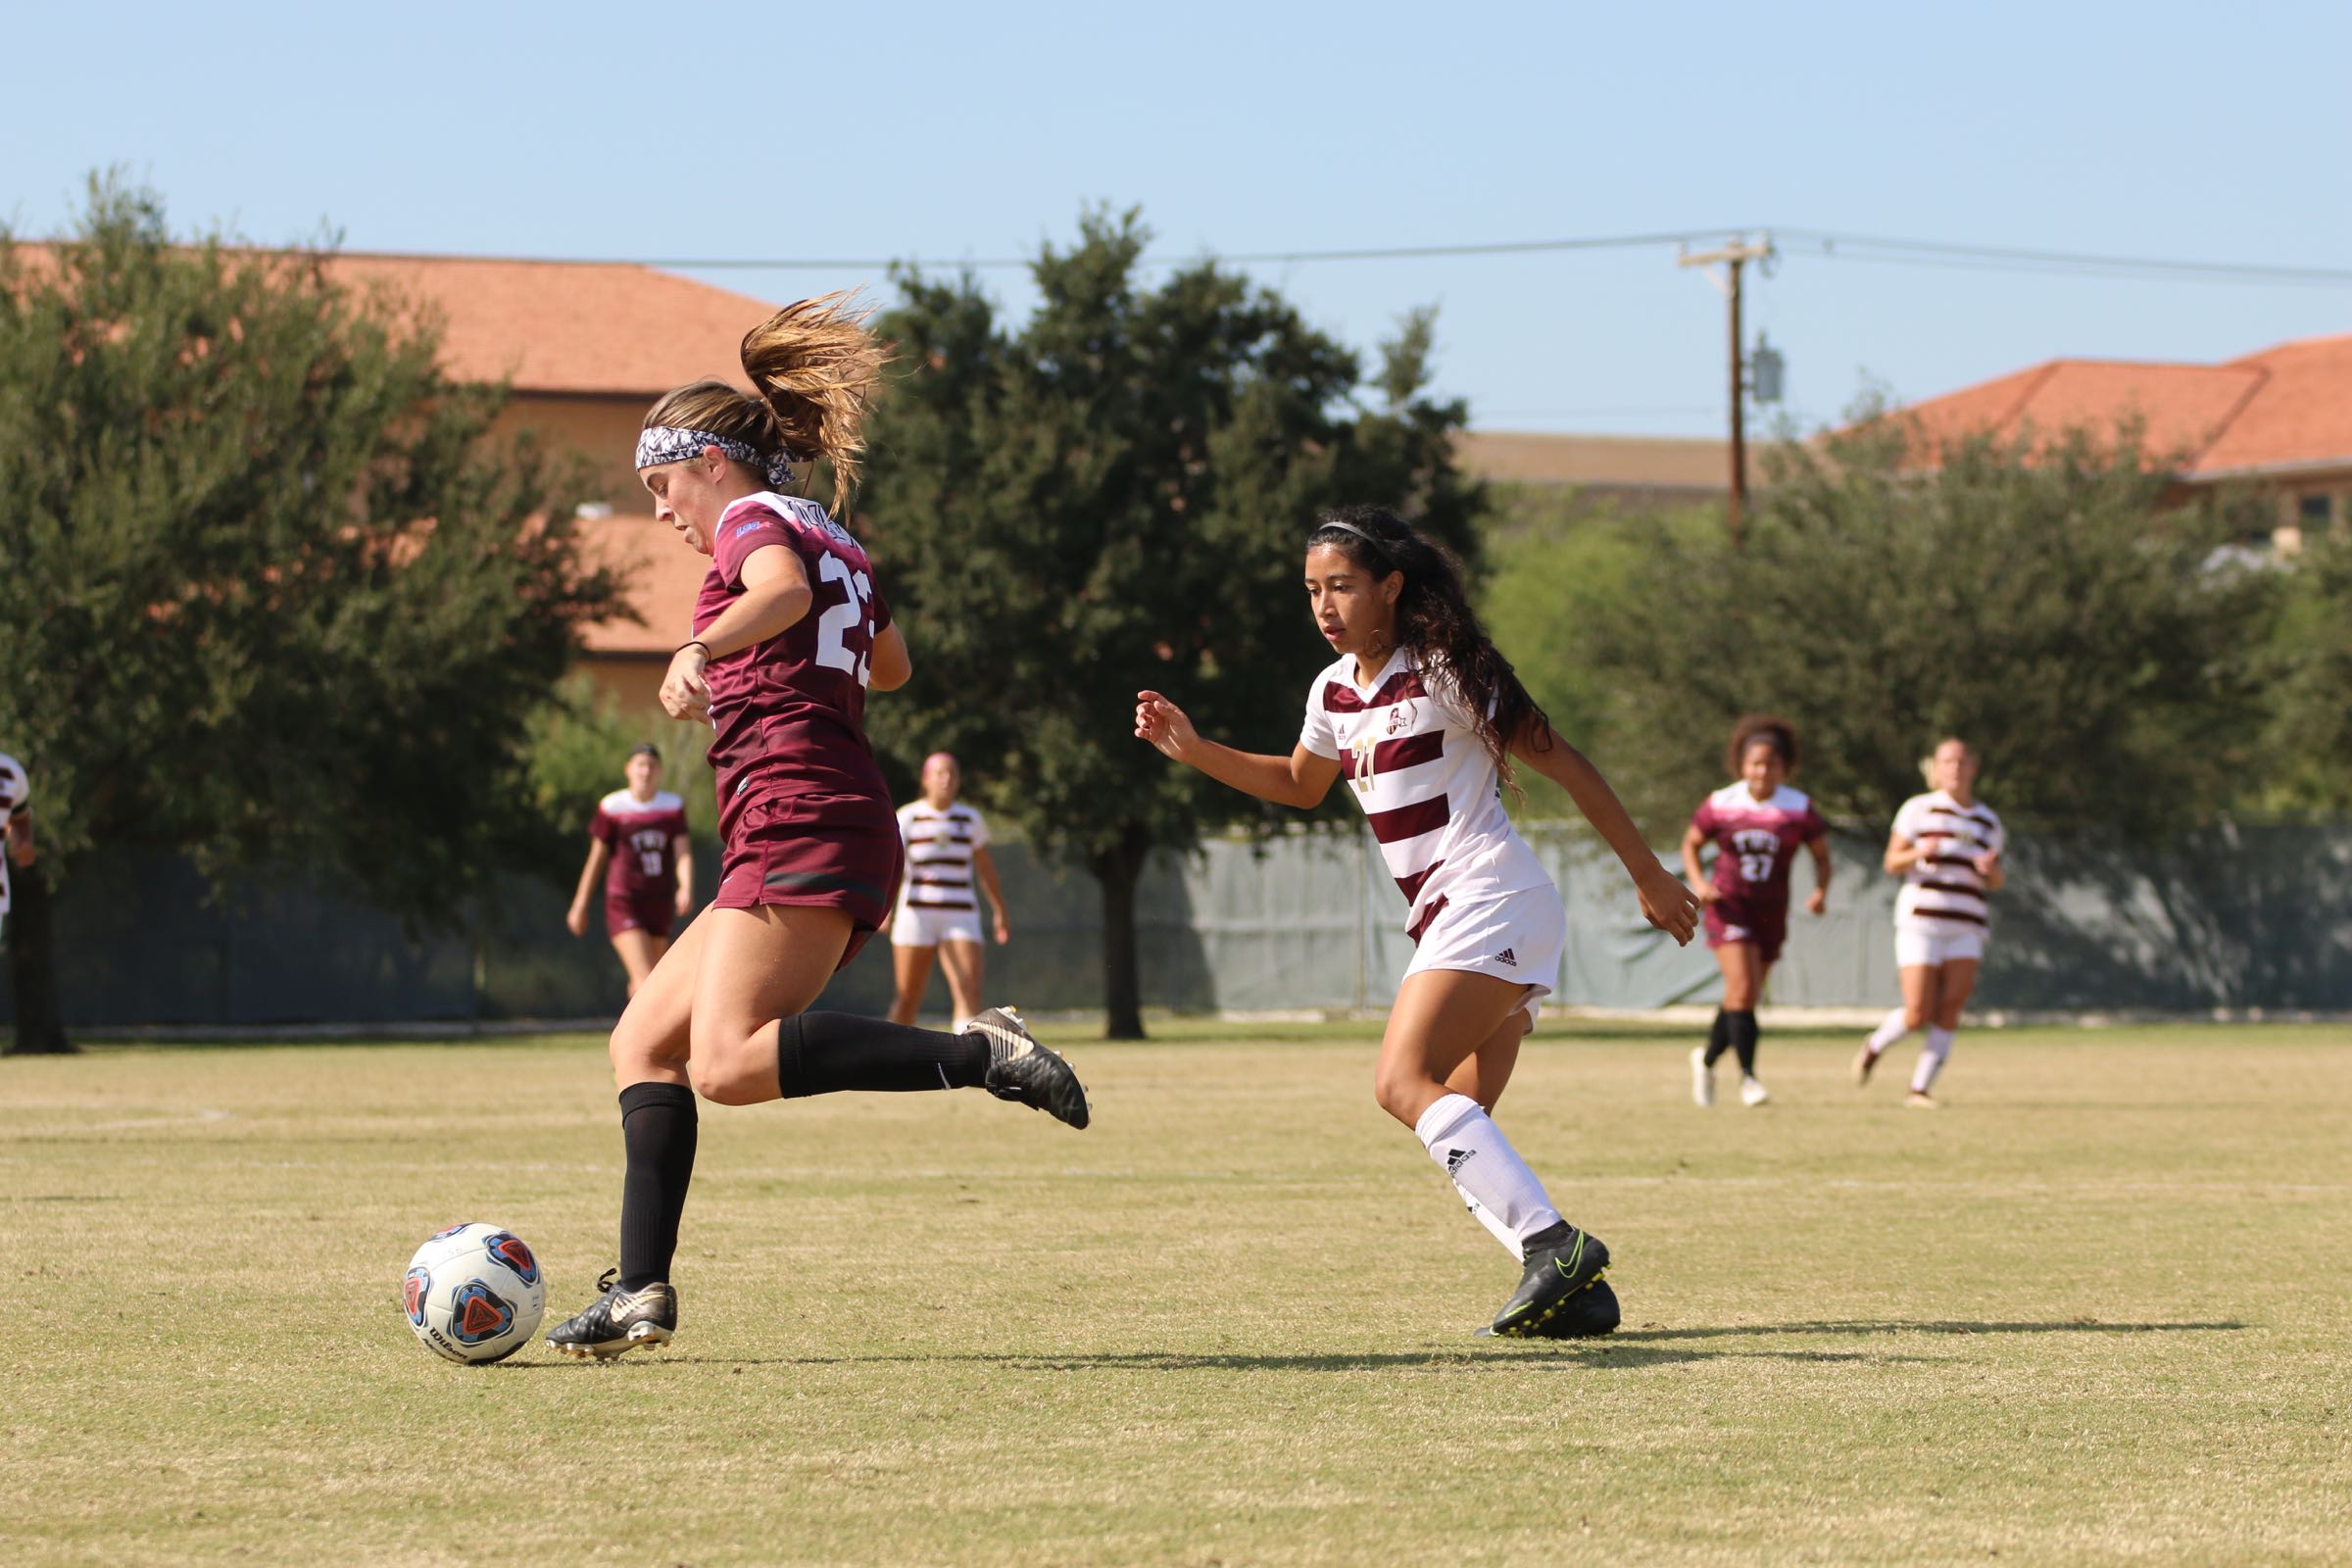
789 631
1756 824
637 846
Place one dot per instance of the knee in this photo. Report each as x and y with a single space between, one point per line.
730 1070
636 1056
1400 1091
724 1082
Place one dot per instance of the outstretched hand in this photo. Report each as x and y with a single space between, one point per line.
1666 903
1163 724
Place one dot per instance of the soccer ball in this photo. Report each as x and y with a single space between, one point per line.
474 1292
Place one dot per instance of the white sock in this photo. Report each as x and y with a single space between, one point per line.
1891 1029
1931 1058
1487 1171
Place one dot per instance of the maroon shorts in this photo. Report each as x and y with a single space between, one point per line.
1739 920
650 909
837 854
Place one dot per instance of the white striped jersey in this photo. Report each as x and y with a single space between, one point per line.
1945 889
939 855
1427 786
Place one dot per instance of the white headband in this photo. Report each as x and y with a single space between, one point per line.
663 443
1329 522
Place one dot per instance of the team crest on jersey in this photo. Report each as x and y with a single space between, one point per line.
412 1294
509 1249
477 1313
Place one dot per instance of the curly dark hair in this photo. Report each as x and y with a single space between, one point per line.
1776 732
1434 620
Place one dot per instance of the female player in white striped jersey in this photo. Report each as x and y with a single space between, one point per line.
938 912
1947 846
1426 716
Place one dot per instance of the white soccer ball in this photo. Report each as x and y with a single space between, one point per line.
474 1292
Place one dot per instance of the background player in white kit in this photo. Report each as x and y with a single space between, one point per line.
1424 714
1947 846
948 865
16 810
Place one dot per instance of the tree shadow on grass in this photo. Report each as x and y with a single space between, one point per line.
2076 1325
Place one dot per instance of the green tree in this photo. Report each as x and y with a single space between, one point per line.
1115 497
2308 674
2039 597
267 594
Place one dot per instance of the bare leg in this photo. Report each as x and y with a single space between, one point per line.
961 963
640 949
910 968
1485 1072
757 965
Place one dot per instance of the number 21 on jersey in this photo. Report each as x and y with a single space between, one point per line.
855 613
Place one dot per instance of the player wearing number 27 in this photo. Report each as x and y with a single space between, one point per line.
1756 824
789 633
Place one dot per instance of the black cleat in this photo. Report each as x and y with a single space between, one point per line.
1021 1070
617 1321
1587 1314
1559 1265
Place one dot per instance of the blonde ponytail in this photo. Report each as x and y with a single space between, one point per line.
817 369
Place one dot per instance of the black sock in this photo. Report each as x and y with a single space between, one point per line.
1742 1027
826 1053
1719 1038
658 1127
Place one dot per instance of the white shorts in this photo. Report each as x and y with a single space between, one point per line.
1515 936
1916 947
928 928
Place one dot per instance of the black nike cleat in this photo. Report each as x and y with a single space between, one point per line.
617 1321
1560 1264
1587 1315
1020 1070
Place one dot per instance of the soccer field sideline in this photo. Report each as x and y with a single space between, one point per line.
2091 1311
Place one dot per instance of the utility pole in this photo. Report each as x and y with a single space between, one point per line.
1731 257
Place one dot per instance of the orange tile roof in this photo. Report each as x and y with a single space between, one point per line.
2302 415
593 328
661 577
2286 407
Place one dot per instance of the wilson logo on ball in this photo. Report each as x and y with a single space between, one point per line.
509 1249
477 1313
412 1294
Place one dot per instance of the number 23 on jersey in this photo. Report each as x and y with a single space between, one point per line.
844 633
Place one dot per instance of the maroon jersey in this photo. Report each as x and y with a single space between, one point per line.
642 836
1756 841
789 712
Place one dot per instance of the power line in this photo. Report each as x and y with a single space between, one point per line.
1376 253
1821 243
1943 253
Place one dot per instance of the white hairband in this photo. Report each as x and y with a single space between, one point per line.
658 444
1334 522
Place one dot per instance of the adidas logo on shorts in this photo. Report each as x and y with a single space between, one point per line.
1506 955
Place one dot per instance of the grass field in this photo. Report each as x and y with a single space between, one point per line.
2094 1311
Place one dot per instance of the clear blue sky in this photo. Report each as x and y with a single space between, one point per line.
729 130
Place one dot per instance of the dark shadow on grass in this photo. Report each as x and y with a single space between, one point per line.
1582 1353
2078 1325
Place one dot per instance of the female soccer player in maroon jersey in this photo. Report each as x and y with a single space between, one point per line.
638 848
789 631
1424 716
1756 823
